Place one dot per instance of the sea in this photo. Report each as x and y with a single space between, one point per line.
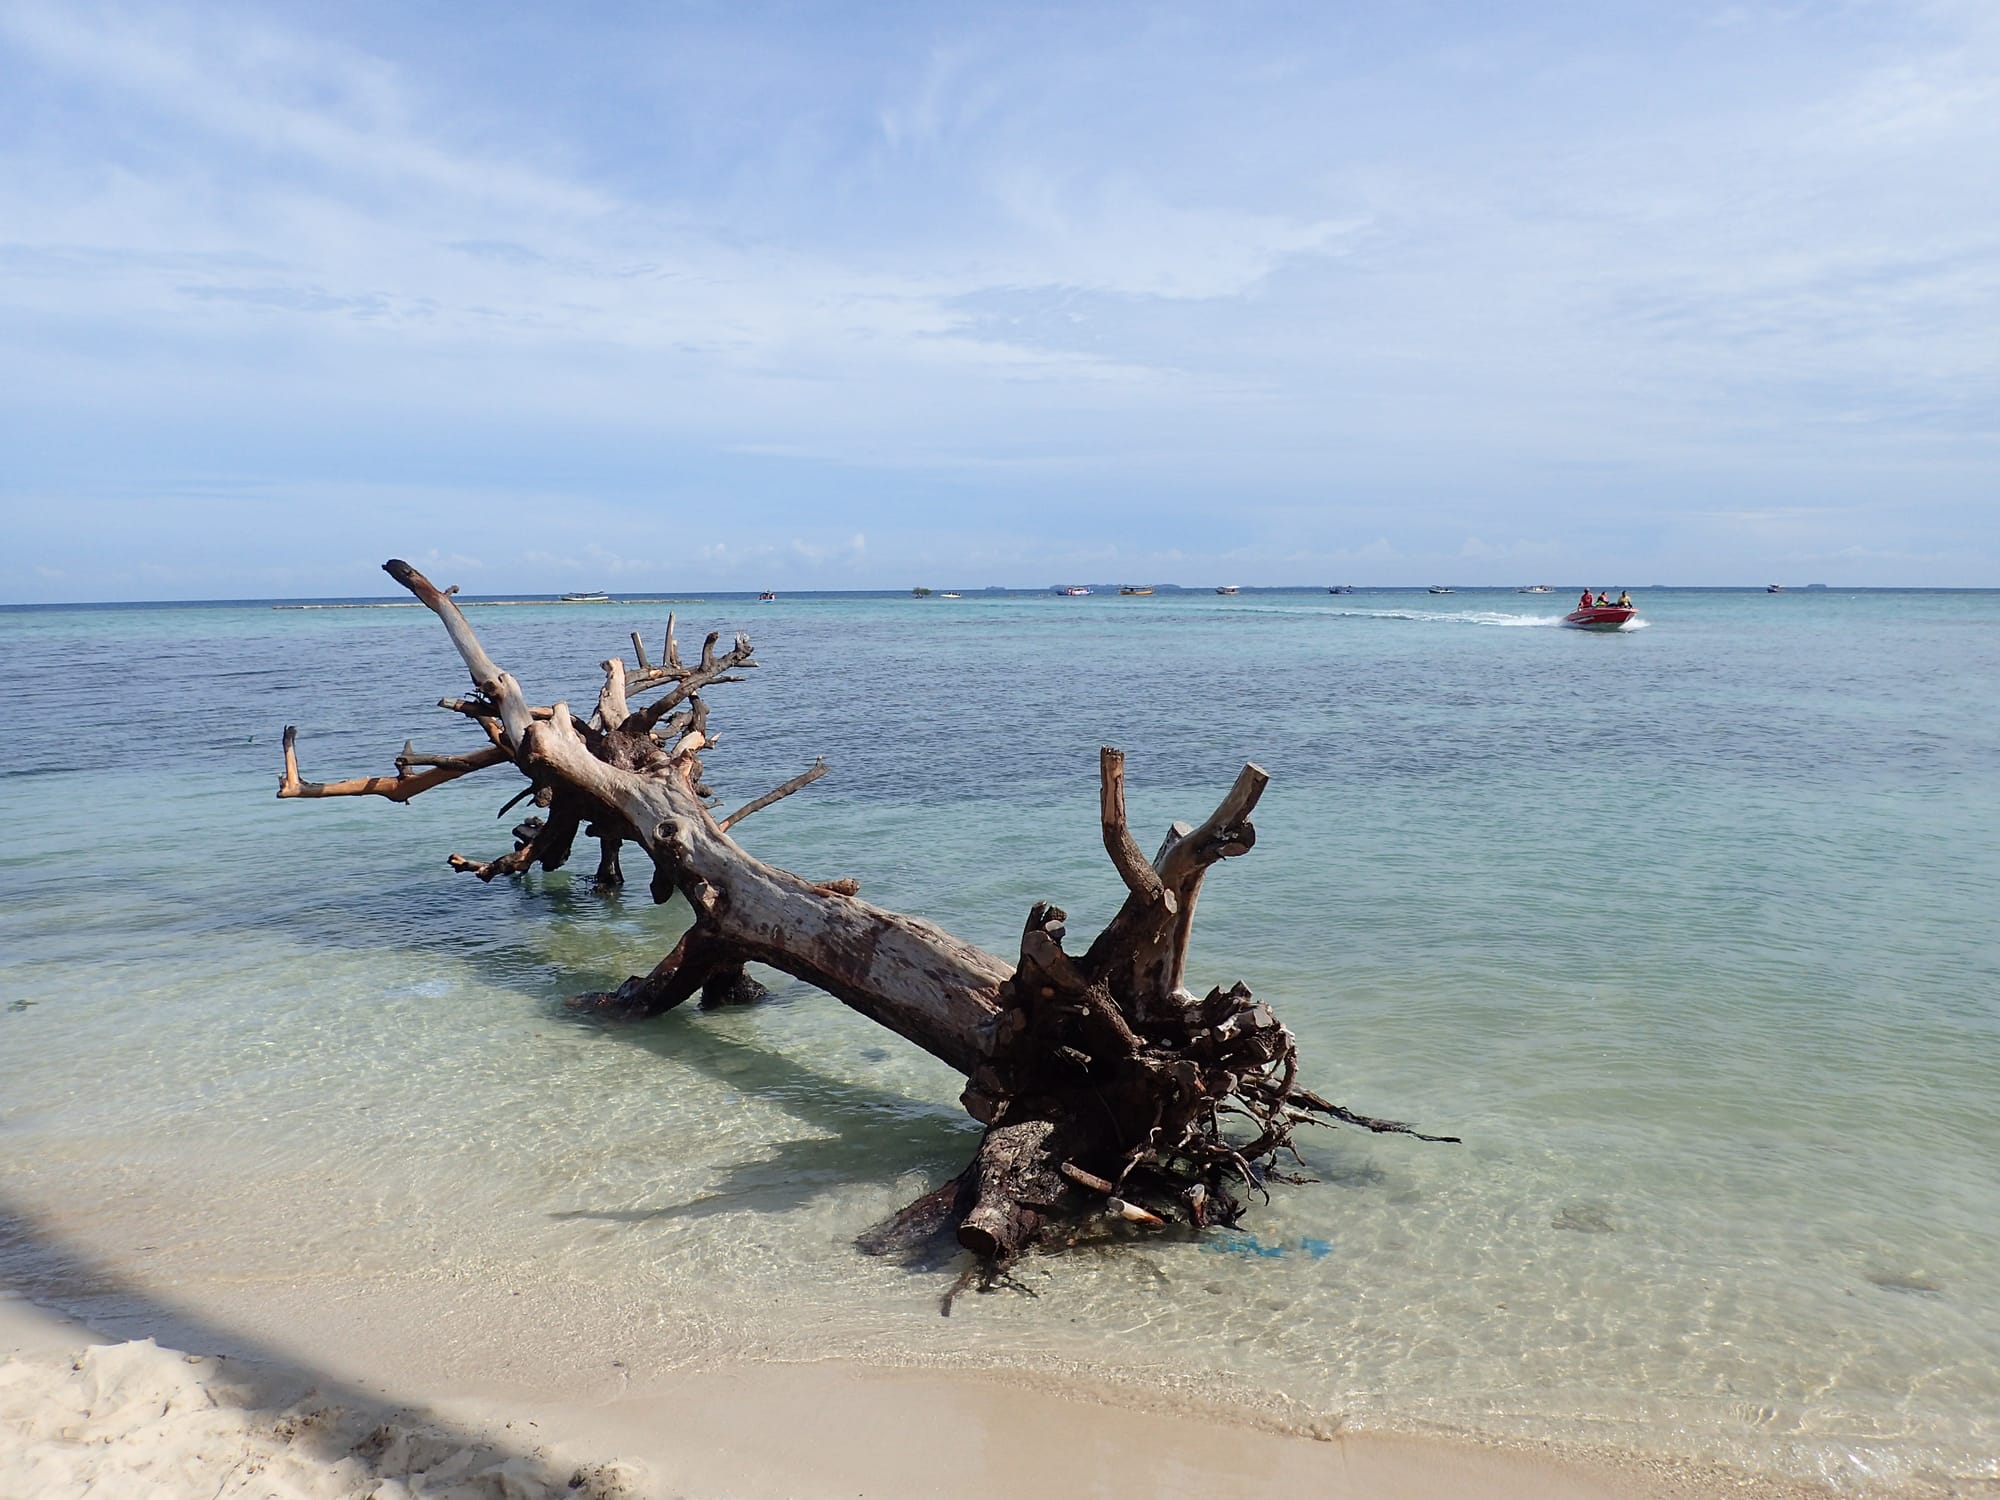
1688 930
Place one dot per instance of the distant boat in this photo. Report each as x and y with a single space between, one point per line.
1134 593
1340 588
949 595
767 597
1774 588
1228 588
1074 591
1438 588
1535 588
588 596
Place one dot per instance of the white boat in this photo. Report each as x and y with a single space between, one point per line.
948 594
1438 588
1535 588
767 597
1774 588
1074 591
588 596
1228 588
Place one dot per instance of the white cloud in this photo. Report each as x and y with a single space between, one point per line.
1462 289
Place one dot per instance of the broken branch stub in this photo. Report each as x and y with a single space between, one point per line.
1109 1093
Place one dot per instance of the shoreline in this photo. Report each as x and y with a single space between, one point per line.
75 1407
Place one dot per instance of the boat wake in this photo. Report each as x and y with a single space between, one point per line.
1452 617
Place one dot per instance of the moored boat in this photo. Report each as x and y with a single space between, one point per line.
1074 591
1130 592
1599 616
586 596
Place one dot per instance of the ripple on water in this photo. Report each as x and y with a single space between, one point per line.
1655 923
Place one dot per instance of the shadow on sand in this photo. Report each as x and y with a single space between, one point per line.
284 1419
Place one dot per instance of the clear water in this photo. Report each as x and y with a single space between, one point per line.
1689 931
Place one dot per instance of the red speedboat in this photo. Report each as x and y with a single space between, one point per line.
1600 616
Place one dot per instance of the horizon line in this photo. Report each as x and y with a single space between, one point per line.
1031 590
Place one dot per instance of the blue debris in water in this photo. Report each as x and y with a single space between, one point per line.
1235 1242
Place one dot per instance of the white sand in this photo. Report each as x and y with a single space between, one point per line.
81 1416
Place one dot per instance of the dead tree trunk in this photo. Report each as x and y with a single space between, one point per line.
1103 1082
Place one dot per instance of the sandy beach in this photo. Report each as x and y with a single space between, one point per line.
83 1414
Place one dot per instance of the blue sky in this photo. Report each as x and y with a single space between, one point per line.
743 295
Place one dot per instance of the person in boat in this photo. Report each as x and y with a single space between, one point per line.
1602 602
1624 598
1584 602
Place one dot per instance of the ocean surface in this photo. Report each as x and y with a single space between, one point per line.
1688 930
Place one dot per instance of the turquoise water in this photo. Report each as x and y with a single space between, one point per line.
1688 931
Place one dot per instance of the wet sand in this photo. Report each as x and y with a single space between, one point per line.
77 1410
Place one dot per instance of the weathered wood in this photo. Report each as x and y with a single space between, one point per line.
398 788
611 709
1103 1083
687 684
1140 878
777 794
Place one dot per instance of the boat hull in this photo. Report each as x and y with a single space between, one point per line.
1598 617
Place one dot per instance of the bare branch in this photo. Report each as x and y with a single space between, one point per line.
506 864
1140 878
696 737
471 760
711 670
439 602
398 788
804 779
493 684
1225 834
536 841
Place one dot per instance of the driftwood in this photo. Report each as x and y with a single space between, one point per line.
1110 1093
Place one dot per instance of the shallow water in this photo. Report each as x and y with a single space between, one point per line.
1686 930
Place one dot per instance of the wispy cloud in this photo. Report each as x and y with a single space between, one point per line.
1417 278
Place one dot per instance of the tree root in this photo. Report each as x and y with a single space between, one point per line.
1115 1102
